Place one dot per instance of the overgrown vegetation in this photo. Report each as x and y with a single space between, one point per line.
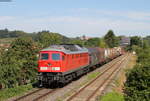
112 96
137 86
10 92
18 64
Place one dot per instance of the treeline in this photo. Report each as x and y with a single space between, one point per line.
47 38
5 33
137 85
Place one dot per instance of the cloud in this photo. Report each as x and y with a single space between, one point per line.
139 15
91 26
132 15
121 22
5 18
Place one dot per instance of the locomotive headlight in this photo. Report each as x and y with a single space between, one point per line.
55 68
43 68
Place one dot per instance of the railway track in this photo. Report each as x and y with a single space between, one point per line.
97 85
22 97
40 94
36 95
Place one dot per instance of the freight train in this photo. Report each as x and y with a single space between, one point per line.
65 62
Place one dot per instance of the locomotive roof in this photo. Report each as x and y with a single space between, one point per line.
68 49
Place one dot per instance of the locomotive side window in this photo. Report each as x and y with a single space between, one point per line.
55 56
63 57
44 56
76 56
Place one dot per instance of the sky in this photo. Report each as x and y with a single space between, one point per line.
74 18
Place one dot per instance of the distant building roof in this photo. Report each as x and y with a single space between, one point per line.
85 38
125 41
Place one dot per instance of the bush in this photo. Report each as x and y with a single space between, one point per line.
144 56
137 85
18 64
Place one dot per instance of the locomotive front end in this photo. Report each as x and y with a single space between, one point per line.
49 61
50 66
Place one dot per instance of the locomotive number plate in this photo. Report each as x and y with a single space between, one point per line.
44 68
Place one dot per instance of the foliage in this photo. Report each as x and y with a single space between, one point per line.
138 43
147 38
112 96
137 86
96 42
93 42
18 65
102 43
47 38
135 40
145 44
77 41
136 48
111 40
7 34
144 56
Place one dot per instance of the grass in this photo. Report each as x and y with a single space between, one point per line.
93 75
10 92
112 96
6 40
132 63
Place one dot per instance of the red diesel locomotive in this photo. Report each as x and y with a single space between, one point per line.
62 63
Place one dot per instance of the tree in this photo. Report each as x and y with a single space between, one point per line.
19 63
135 40
147 38
11 34
110 39
47 38
102 43
4 33
137 84
17 33
77 41
93 42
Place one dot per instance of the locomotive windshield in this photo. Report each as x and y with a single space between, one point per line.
55 56
44 56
